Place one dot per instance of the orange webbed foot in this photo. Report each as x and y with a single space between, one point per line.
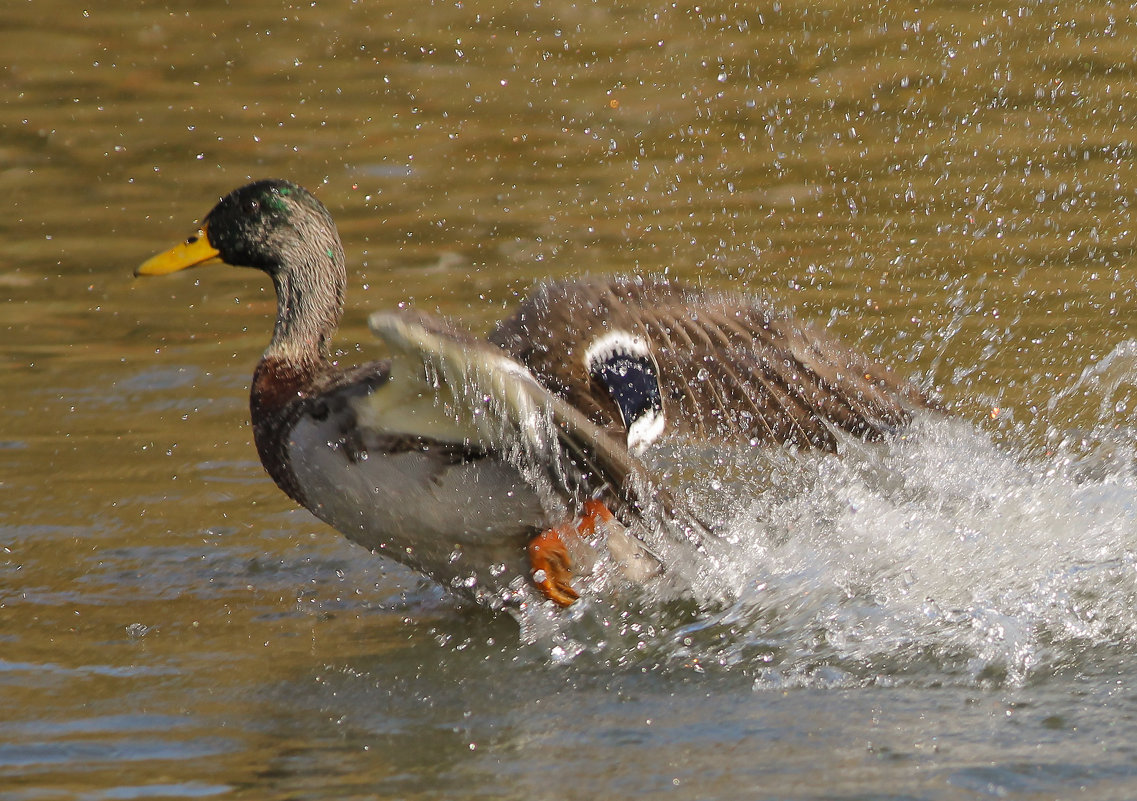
549 555
552 565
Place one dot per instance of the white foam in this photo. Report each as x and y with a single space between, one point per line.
938 556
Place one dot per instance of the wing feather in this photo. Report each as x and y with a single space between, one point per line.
730 366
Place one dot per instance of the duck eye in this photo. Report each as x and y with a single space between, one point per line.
252 206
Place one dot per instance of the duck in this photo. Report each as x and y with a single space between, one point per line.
505 467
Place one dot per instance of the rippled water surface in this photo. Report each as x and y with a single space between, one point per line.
952 614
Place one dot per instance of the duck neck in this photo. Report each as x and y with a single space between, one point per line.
309 306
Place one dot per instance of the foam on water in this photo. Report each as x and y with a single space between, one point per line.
938 556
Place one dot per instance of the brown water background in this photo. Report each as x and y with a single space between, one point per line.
947 185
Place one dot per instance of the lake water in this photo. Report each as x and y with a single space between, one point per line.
950 615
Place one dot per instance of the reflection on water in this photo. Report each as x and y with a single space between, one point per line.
948 187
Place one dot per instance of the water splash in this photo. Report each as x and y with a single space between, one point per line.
1111 382
939 556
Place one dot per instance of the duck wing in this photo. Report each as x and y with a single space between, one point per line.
500 403
726 367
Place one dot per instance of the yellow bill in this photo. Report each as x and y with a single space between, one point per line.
194 251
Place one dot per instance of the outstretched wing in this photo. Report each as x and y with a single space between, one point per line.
726 367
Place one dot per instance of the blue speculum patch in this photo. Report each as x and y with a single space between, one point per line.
632 382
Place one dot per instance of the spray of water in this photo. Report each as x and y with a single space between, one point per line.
939 555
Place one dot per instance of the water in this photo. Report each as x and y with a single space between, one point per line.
949 615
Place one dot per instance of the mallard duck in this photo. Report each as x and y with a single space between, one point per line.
482 463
